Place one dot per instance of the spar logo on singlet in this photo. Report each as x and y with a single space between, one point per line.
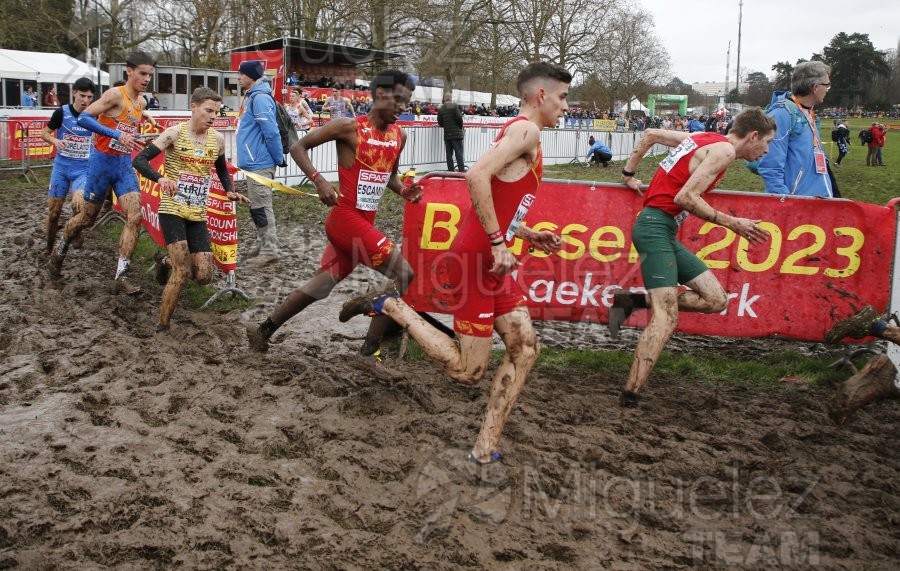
123 128
678 153
377 143
521 211
192 189
369 188
77 147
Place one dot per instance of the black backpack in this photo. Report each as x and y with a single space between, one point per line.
835 135
865 135
286 129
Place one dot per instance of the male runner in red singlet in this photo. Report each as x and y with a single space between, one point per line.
695 164
502 184
368 148
115 119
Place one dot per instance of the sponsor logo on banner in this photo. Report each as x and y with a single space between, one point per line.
822 261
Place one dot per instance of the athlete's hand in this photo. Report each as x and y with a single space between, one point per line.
168 186
328 194
545 240
504 261
749 230
412 193
633 183
130 142
238 197
59 144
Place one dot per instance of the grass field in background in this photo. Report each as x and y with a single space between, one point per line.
855 180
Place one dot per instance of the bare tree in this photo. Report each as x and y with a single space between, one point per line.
558 31
627 58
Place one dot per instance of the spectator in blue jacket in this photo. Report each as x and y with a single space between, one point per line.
259 151
29 98
696 125
599 154
796 162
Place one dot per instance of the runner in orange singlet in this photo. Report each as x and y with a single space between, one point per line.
115 119
368 149
502 184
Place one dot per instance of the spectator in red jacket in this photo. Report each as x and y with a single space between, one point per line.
878 133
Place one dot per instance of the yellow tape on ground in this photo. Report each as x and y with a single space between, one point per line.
275 185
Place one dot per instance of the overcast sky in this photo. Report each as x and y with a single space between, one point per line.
696 32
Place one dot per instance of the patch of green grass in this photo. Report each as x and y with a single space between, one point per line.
759 372
856 181
193 295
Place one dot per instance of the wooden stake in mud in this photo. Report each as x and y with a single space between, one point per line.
874 382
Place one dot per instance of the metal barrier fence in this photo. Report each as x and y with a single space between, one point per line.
21 148
425 149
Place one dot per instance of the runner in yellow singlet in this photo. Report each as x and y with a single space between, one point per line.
192 150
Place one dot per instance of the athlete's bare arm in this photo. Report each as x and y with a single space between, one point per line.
231 194
519 143
148 118
651 137
47 136
112 104
413 192
704 169
343 133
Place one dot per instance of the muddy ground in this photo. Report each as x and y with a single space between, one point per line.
126 449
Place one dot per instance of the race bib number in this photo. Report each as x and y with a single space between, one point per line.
678 153
521 211
77 147
369 189
192 189
681 217
820 161
123 128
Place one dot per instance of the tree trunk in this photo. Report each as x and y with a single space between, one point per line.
874 382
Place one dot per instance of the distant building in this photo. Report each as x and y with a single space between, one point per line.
716 87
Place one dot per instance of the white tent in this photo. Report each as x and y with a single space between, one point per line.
43 67
462 97
635 106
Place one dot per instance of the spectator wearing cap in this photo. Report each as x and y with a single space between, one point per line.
259 151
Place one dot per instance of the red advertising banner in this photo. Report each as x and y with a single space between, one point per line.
822 255
25 139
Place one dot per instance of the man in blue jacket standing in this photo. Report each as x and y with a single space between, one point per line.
797 162
259 151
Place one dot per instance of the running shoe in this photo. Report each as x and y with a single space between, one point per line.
855 327
122 285
370 304
621 309
54 264
629 399
258 341
163 270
